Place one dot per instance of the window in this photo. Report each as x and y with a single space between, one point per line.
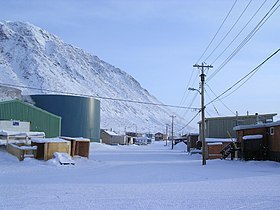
271 130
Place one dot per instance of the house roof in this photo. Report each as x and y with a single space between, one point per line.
261 125
240 116
17 101
111 133
193 134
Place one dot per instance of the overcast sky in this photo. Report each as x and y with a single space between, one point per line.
157 42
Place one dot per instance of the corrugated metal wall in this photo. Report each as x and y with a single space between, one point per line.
39 119
220 127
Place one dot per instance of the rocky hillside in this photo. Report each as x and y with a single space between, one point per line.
30 56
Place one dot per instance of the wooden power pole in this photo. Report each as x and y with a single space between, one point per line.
172 130
166 133
202 137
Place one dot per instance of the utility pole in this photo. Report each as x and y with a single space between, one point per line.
202 76
166 133
172 130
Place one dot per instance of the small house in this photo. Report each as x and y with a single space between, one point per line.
259 141
112 138
159 136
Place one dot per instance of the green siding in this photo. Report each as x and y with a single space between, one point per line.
218 127
39 119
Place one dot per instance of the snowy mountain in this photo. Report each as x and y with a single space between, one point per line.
30 56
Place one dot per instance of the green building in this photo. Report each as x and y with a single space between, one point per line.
40 120
222 127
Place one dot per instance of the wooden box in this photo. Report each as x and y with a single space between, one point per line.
21 150
48 146
79 146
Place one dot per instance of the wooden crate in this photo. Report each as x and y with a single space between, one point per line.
79 146
48 146
22 151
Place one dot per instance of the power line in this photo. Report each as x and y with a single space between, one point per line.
229 30
186 89
249 77
97 96
190 121
247 39
253 71
192 101
216 110
217 31
239 33
208 113
187 96
220 100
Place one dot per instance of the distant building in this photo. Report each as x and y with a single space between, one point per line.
132 134
149 135
159 136
222 127
112 138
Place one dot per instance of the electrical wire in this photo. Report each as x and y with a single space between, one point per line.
192 101
239 33
229 31
96 96
239 81
217 31
190 121
216 110
188 85
186 89
247 39
220 99
249 77
188 94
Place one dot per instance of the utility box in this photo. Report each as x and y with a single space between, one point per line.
14 125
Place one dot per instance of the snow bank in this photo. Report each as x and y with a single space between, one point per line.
180 146
215 143
47 140
219 140
95 146
252 137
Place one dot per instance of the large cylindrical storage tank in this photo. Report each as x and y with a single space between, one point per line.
80 115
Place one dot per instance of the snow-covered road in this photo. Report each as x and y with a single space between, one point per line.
138 177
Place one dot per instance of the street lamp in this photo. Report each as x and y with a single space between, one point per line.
193 89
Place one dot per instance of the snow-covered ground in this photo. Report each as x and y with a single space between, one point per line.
138 177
